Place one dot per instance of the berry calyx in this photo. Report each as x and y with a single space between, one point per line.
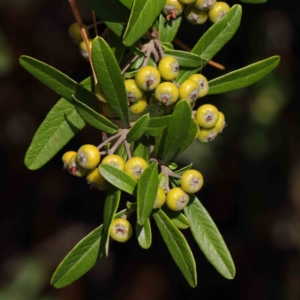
177 199
195 16
203 84
172 9
74 167
67 157
166 93
96 180
75 33
83 49
135 167
191 181
221 124
168 67
204 4
160 198
134 93
121 230
207 116
114 160
207 135
218 11
189 90
147 78
88 156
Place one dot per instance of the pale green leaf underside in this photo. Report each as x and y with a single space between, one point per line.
144 235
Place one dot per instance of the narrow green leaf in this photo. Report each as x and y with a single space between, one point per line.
178 136
209 238
168 29
187 59
178 218
157 125
121 151
146 193
131 205
93 118
190 136
243 77
138 128
178 247
159 146
154 110
110 79
182 170
117 47
113 13
143 15
118 178
141 148
167 46
60 125
127 3
144 235
80 259
110 208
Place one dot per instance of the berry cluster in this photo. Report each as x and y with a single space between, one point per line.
196 11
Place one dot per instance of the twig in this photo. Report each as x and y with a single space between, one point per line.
95 22
129 63
92 25
119 142
159 47
127 149
109 139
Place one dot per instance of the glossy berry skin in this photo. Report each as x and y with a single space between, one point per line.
96 180
160 198
168 67
195 16
88 156
147 78
166 93
66 159
189 90
207 116
99 94
177 199
221 124
204 4
139 106
114 160
75 33
207 135
135 167
172 9
187 1
218 11
134 93
83 49
108 111
121 230
75 169
191 181
203 84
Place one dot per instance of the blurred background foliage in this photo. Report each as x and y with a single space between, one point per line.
251 171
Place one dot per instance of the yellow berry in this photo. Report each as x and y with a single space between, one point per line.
207 135
218 10
172 9
207 116
139 106
221 122
135 167
187 1
177 199
160 198
96 180
191 181
189 90
147 78
108 111
114 160
74 167
203 84
83 49
168 67
99 94
121 230
134 93
194 15
88 156
204 4
166 93
66 159
75 33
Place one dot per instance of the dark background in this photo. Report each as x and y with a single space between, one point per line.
251 171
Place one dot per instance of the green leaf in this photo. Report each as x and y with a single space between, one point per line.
168 29
178 218
143 15
118 178
159 146
254 1
61 124
157 125
93 118
117 47
154 110
141 148
121 151
146 193
243 77
144 235
178 136
131 205
209 238
110 208
167 46
80 259
190 136
187 59
113 13
138 128
110 79
178 247
127 3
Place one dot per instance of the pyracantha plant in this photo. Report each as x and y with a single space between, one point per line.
141 95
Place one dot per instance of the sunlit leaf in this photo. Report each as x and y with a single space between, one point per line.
138 129
144 235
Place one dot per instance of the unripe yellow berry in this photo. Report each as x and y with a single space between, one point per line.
195 16
207 116
204 4
172 9
114 160
121 230
147 78
207 135
218 11
88 156
83 49
203 84
168 67
75 33
191 181
134 93
99 94
221 124
189 90
135 167
187 1
166 93
108 111
66 159
139 106
177 199
160 198
96 180
75 168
